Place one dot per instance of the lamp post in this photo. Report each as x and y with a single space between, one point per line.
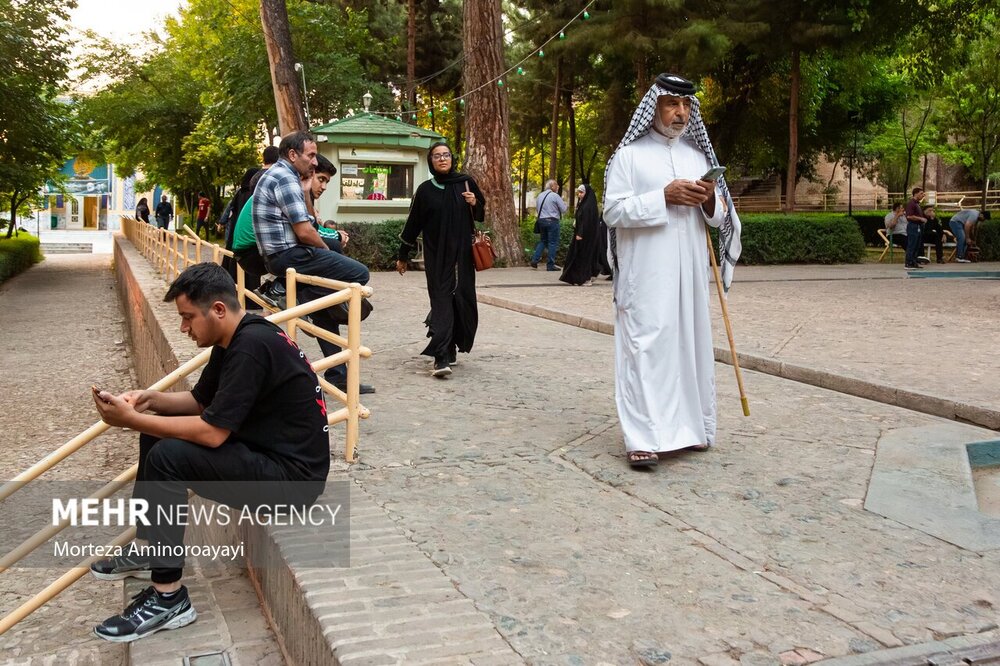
852 116
300 68
366 99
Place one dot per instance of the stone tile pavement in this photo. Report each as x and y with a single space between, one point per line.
509 476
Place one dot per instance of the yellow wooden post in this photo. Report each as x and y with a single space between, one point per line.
353 372
291 293
241 284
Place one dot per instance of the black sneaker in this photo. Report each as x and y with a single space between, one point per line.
362 388
118 568
264 293
441 368
148 613
534 264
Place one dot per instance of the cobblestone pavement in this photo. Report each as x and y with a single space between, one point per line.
62 332
868 321
510 475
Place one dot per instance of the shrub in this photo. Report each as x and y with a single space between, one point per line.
989 240
768 238
800 238
18 253
869 223
375 244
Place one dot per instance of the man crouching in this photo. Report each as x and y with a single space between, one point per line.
252 433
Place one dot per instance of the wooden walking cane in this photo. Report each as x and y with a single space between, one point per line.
729 326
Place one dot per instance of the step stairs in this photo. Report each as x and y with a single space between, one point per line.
67 248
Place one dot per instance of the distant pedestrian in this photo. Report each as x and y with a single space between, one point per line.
550 209
204 207
164 211
142 210
581 263
445 210
914 228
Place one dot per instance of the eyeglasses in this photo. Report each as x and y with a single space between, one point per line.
441 157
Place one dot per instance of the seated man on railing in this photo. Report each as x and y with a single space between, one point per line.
252 433
287 238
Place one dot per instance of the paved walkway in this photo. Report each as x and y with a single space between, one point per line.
510 475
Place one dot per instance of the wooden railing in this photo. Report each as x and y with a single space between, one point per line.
869 201
171 253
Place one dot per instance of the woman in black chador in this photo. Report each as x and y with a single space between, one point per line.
444 209
582 262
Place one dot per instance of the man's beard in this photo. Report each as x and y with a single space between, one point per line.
670 131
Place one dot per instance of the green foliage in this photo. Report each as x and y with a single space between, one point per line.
800 239
18 254
36 128
973 117
989 240
192 114
375 244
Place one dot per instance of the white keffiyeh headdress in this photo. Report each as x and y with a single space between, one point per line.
642 121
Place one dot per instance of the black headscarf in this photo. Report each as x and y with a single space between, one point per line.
453 175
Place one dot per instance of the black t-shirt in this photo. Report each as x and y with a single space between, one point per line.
262 388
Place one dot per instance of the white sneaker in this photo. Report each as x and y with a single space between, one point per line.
963 261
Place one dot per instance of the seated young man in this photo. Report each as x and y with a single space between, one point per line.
895 225
933 234
252 433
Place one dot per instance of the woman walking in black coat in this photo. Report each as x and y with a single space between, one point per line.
582 262
445 210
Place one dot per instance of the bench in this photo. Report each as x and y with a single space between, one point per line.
928 247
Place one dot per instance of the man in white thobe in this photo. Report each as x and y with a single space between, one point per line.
656 207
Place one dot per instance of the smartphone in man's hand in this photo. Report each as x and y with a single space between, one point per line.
97 394
714 173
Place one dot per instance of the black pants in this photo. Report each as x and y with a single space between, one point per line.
231 474
935 236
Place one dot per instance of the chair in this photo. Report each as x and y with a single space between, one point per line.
888 245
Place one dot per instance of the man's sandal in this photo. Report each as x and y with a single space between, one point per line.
698 447
640 459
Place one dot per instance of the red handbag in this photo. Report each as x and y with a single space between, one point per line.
482 251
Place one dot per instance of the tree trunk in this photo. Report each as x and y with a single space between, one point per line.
433 119
411 59
554 138
487 123
524 182
793 132
13 213
572 152
278 39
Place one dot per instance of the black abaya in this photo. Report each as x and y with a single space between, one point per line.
581 259
447 223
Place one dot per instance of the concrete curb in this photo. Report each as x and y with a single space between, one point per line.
890 395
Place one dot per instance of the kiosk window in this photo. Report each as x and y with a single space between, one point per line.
360 180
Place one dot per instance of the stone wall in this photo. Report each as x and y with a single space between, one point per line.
152 325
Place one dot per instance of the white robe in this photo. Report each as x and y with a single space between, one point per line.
664 358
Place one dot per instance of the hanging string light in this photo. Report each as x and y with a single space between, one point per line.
540 52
